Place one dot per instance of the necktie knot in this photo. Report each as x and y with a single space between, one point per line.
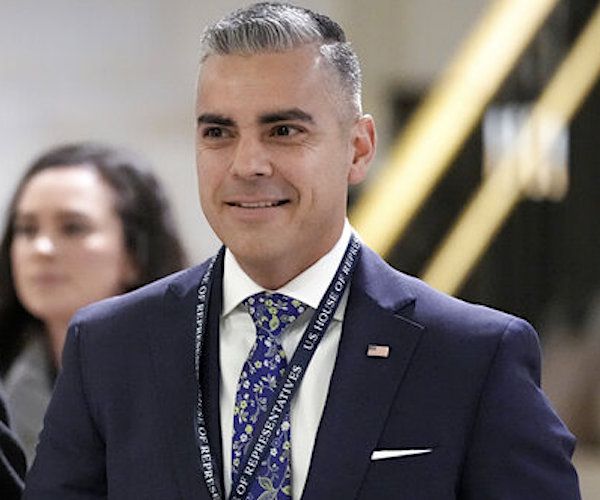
272 312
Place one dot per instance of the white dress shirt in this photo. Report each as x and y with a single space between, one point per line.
238 334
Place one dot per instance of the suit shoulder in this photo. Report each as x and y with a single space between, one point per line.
472 335
418 302
440 311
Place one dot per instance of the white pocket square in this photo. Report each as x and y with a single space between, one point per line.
385 454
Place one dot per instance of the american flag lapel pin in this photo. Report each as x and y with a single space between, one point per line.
378 351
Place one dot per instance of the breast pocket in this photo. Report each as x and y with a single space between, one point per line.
409 473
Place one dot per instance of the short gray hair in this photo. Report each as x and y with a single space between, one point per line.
278 27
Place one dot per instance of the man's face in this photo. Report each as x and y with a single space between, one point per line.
275 153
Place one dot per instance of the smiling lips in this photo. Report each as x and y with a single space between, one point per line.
257 204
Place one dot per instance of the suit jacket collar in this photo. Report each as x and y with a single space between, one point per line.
362 389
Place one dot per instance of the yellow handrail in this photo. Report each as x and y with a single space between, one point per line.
497 196
445 120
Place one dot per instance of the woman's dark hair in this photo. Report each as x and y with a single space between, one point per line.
149 230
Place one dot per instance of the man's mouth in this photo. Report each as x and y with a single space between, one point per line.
257 204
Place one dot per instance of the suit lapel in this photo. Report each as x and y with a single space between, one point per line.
172 343
210 372
362 388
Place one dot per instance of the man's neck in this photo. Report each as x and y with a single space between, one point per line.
307 286
275 274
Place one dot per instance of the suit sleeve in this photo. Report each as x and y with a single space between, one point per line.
70 458
519 448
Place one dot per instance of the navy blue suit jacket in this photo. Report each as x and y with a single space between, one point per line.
461 383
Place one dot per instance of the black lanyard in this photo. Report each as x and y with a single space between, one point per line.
287 386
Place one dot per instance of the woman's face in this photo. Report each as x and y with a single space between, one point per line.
68 247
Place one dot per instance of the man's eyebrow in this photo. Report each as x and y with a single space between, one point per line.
285 115
214 119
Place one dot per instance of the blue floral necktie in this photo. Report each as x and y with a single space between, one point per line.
261 372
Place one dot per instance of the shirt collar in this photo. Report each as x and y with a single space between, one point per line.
308 287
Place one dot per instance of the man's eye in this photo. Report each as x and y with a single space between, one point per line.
283 130
213 132
286 131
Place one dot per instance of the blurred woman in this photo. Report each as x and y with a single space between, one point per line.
87 221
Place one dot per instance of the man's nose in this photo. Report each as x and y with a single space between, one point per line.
251 158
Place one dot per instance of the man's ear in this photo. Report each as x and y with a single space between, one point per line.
363 148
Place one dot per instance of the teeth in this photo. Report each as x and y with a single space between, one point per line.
259 204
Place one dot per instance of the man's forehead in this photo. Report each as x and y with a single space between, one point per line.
299 64
254 88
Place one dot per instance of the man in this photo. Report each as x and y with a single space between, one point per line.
12 458
379 388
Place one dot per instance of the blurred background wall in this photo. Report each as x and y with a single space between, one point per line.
124 72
